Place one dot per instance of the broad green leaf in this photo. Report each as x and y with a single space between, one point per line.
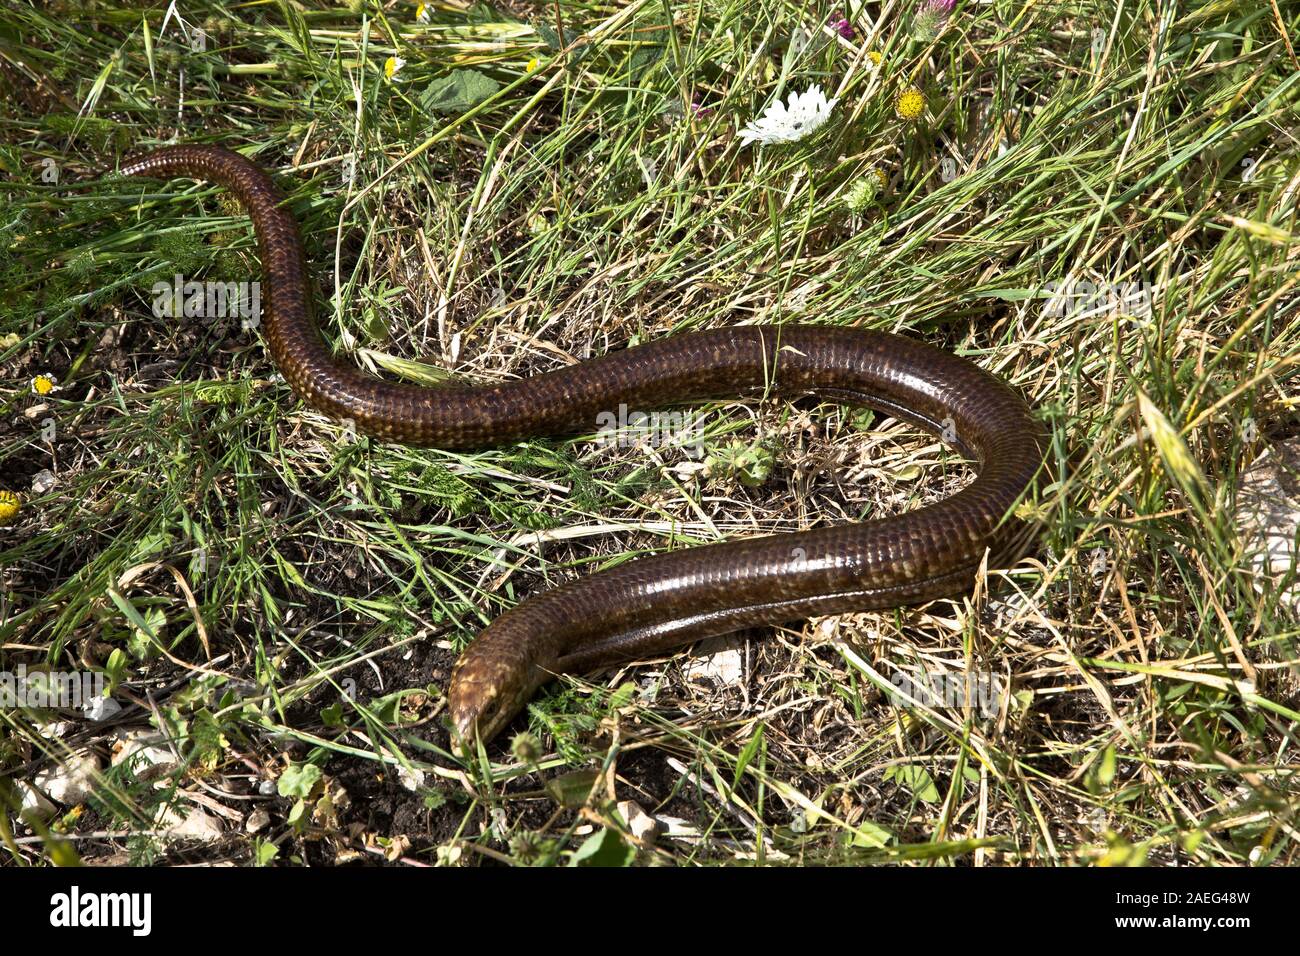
605 848
917 779
459 91
298 780
570 790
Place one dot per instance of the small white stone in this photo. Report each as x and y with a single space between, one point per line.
195 825
267 788
257 820
35 805
642 825
71 781
676 828
53 730
410 778
1095 819
140 749
1268 509
688 470
99 709
43 481
722 662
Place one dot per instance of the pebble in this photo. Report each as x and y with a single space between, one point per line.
142 749
196 825
35 805
723 662
52 730
410 778
71 781
642 825
99 709
1268 509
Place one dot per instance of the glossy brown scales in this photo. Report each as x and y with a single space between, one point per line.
656 603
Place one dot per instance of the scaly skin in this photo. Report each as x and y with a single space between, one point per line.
648 606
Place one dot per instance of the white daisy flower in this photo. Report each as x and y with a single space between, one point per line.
44 383
392 66
782 123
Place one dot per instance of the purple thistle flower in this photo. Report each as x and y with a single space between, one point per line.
698 108
932 18
844 27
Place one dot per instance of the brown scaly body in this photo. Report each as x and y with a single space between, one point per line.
648 606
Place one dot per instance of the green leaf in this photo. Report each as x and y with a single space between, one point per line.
553 44
387 709
549 36
1180 463
869 835
143 640
332 716
1102 772
115 669
61 852
153 543
264 852
207 738
171 722
622 696
605 848
747 755
298 780
459 91
422 373
644 58
570 790
917 779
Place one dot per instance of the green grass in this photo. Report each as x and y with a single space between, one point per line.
278 596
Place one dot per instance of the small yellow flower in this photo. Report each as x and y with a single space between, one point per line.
10 505
876 58
392 65
423 14
533 64
882 177
910 104
44 384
